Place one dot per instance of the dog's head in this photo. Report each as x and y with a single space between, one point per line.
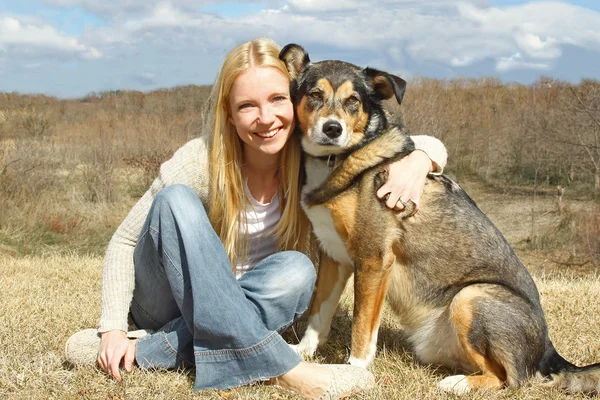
337 104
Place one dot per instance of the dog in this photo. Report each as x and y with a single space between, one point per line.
464 299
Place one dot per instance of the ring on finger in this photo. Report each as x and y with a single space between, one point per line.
401 202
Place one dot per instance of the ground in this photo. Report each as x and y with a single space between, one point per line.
45 298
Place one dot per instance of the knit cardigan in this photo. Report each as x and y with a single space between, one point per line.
188 166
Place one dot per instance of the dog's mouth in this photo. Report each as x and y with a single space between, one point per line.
318 145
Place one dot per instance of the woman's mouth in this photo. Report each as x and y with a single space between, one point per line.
268 134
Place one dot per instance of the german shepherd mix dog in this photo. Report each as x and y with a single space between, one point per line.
463 297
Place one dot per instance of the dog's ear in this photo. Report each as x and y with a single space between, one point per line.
295 59
386 85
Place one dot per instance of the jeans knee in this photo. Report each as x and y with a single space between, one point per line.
300 272
175 194
179 200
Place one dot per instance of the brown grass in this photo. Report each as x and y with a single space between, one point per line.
70 169
46 298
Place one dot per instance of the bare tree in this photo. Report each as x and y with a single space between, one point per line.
588 134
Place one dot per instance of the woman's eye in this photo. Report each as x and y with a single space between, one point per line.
279 98
245 105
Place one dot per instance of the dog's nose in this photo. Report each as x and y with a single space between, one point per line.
332 129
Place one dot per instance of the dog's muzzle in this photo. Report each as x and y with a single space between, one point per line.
333 129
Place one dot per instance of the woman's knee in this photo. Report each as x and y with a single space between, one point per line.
298 271
179 201
175 195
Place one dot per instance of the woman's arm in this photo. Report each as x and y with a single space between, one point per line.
407 176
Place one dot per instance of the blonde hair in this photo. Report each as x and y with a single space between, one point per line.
228 198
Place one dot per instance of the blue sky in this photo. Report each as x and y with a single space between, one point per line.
68 48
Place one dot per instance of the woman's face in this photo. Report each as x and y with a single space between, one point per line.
261 110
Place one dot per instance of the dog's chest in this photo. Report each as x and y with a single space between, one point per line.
320 216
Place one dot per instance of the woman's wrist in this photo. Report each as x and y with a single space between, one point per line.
423 159
114 332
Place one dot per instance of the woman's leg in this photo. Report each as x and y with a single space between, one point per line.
210 320
280 288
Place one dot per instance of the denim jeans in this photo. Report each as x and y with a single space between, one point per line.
185 289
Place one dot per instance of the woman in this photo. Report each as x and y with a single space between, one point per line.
213 258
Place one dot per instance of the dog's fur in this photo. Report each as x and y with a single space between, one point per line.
462 296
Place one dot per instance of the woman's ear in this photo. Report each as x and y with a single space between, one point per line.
227 114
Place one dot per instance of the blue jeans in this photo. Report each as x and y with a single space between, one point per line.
203 316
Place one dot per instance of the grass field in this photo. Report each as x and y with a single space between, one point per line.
46 297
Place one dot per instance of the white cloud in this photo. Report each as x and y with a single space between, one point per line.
124 9
461 62
533 45
538 29
322 5
452 34
319 6
516 61
25 37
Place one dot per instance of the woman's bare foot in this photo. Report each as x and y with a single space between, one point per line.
308 379
325 381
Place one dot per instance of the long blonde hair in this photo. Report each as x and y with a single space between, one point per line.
228 199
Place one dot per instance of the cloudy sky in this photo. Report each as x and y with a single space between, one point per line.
68 48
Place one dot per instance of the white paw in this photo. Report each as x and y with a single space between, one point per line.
295 348
357 362
305 349
456 384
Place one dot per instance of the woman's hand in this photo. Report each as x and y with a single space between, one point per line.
406 180
114 348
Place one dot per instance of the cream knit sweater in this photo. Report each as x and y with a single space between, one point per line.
188 166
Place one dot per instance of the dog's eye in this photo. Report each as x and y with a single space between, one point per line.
316 95
352 100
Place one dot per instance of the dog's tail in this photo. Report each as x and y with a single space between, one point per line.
568 376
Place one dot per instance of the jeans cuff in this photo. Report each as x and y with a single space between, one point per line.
167 350
229 368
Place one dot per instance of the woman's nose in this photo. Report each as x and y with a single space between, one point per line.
267 115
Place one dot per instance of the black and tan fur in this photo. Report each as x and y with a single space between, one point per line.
462 295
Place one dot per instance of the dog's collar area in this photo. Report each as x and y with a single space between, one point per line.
330 160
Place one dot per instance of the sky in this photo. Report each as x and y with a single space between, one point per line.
70 48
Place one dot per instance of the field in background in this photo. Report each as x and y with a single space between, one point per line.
71 169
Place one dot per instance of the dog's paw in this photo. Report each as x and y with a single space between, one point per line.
357 362
304 350
295 348
456 384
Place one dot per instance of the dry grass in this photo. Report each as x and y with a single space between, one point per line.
45 298
70 169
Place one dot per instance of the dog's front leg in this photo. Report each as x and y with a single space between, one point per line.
371 280
331 281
